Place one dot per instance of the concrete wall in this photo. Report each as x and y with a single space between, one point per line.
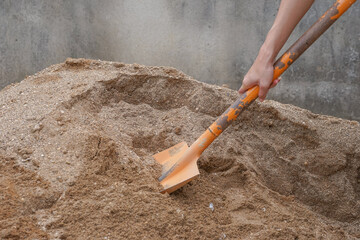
214 41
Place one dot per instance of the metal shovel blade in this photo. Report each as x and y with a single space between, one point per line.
174 176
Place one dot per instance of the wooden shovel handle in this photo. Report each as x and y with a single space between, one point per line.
303 43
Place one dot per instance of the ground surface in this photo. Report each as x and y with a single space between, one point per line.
76 142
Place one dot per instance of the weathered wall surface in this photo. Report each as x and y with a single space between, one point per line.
214 41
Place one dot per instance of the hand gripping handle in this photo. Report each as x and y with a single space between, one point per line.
303 43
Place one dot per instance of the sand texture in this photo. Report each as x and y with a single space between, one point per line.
76 146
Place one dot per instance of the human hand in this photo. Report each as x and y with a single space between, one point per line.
260 74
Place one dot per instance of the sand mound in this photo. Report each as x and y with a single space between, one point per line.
75 161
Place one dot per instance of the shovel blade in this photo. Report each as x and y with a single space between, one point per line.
168 158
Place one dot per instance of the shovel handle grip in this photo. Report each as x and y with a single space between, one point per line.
303 43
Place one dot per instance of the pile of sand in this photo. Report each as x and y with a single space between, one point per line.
76 142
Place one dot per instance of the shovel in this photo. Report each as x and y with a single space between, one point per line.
179 162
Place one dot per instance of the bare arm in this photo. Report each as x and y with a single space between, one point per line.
261 72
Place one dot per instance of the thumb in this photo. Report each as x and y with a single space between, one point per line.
245 86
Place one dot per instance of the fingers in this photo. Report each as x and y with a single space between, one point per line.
264 84
246 84
264 88
275 82
243 88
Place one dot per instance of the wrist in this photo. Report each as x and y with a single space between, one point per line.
266 55
273 43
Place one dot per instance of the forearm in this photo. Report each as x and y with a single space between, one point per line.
261 72
289 14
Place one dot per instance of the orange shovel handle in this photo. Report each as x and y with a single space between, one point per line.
303 43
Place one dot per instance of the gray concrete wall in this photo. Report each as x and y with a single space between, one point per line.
214 41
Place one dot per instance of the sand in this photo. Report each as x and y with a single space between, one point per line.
76 141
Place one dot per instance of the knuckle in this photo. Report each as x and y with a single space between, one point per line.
264 88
